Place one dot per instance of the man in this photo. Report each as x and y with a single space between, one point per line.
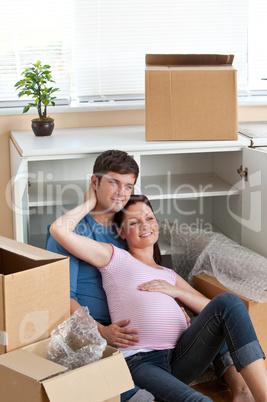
114 175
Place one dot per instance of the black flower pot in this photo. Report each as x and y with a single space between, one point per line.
42 128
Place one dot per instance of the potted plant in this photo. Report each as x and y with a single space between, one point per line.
33 84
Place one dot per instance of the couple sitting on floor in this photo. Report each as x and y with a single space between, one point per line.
163 353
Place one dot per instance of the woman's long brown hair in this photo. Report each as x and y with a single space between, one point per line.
134 199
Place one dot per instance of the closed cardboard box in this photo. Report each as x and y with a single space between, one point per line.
26 375
211 287
34 293
190 97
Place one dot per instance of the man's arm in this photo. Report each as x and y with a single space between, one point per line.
74 306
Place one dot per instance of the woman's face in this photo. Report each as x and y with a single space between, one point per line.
139 226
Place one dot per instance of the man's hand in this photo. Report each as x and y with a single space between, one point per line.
117 335
186 317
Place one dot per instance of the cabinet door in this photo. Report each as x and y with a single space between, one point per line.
254 199
19 191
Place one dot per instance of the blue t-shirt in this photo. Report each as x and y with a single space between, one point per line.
85 279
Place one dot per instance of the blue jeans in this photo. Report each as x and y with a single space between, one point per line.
128 394
165 373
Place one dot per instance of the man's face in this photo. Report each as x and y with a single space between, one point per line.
113 192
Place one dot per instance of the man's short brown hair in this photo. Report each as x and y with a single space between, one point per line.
115 161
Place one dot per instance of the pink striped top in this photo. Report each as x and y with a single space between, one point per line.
157 316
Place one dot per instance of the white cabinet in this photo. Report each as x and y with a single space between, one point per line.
188 182
254 196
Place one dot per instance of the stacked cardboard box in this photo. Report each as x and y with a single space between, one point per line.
34 293
190 97
34 300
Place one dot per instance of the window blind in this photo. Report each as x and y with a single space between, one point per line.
29 31
109 53
96 48
257 55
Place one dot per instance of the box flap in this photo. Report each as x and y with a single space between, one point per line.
95 382
30 365
38 348
28 251
211 287
188 59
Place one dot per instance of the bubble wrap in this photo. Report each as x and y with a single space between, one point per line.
195 251
76 342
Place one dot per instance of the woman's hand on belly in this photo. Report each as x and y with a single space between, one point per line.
159 285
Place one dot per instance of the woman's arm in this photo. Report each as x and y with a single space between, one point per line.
182 292
89 250
189 296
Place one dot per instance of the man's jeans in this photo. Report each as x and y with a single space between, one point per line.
165 373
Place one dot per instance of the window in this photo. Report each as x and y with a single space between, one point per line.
96 48
31 30
257 55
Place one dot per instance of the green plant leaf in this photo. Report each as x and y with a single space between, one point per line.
25 109
33 83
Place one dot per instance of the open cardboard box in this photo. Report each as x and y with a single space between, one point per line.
211 287
190 97
26 375
34 293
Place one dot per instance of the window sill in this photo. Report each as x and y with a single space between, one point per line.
75 107
252 100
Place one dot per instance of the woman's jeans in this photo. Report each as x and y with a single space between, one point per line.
165 373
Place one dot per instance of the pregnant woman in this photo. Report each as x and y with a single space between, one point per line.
169 354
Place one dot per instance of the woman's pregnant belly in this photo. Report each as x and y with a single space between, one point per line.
157 317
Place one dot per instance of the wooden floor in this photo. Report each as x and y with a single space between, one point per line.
215 391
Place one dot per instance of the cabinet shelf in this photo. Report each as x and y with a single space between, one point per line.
185 186
57 193
180 186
